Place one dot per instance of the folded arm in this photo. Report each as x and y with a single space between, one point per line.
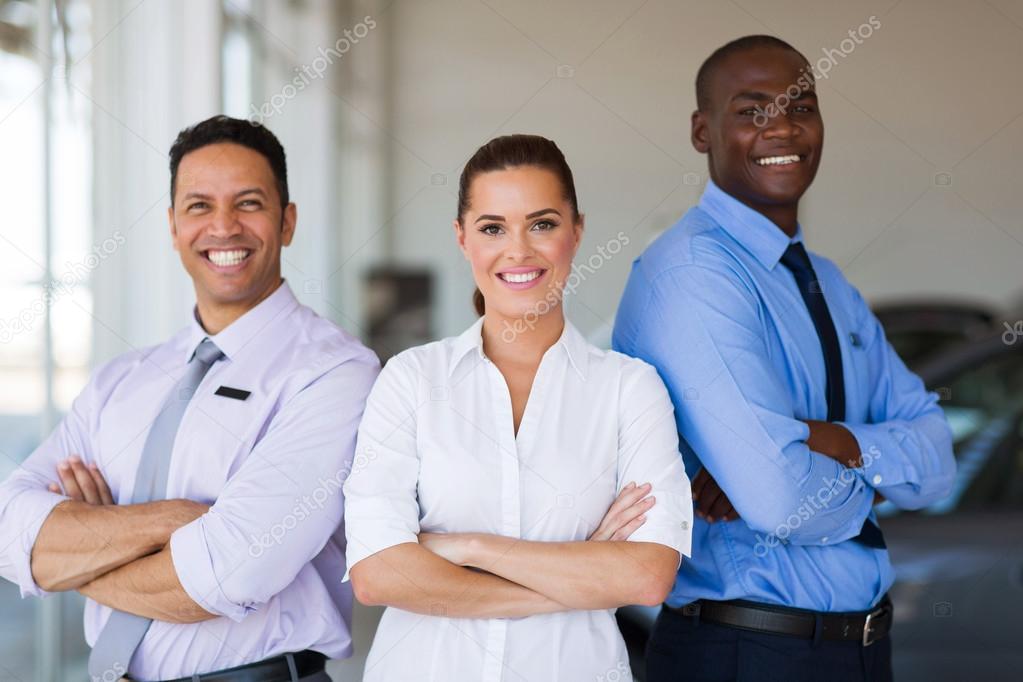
411 577
907 442
148 587
735 411
580 575
79 542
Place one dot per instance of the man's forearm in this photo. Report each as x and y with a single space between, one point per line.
147 587
79 542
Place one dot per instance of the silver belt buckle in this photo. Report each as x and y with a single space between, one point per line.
867 629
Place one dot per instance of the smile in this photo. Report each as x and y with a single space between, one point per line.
785 160
521 278
227 258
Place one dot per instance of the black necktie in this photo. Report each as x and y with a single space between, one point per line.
797 261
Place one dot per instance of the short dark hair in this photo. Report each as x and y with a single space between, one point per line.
217 129
751 42
513 151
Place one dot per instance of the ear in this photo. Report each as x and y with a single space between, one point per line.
288 221
173 227
699 133
460 237
580 226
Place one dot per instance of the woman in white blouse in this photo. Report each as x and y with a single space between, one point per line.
493 504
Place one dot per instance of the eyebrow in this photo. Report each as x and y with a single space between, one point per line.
247 190
758 96
534 214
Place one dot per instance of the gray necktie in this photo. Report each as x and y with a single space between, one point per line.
123 632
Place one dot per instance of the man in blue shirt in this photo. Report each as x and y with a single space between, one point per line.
799 412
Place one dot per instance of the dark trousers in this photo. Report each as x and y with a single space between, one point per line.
682 648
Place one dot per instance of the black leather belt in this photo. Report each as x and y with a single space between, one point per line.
865 627
271 670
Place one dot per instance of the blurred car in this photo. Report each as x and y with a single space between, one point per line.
958 594
923 329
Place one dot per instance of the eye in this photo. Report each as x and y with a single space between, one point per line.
493 229
803 109
749 111
198 205
250 203
544 225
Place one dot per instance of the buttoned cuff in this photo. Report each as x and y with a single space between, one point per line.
669 522
36 506
192 559
881 447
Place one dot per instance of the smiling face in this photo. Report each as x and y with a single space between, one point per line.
763 154
519 233
228 226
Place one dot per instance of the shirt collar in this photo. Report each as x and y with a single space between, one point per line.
754 231
233 338
575 346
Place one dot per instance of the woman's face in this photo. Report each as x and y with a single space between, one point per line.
520 234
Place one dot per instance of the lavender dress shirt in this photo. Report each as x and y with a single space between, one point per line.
269 555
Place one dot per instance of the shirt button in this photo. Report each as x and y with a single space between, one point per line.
824 539
877 479
685 525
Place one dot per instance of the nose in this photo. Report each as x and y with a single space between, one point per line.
779 126
224 223
519 246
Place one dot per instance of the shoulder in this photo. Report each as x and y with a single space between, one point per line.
320 348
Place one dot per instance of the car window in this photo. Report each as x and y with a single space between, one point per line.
984 407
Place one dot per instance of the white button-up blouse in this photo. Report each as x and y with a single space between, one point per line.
437 452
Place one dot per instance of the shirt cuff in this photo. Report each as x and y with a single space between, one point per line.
193 563
881 446
373 537
35 505
670 525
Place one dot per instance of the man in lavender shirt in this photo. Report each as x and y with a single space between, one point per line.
239 567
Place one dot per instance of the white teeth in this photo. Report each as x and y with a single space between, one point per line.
227 258
777 160
519 278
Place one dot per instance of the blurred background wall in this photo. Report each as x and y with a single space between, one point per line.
379 104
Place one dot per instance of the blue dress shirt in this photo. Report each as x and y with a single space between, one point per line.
710 306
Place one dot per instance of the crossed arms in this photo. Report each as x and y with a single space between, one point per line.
477 575
116 555
179 560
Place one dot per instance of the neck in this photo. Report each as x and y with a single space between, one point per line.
782 216
216 316
510 338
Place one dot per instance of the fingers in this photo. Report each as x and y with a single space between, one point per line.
629 503
628 529
69 482
86 482
105 495
630 495
627 516
81 482
721 507
708 495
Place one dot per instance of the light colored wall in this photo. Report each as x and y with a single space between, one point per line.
933 90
